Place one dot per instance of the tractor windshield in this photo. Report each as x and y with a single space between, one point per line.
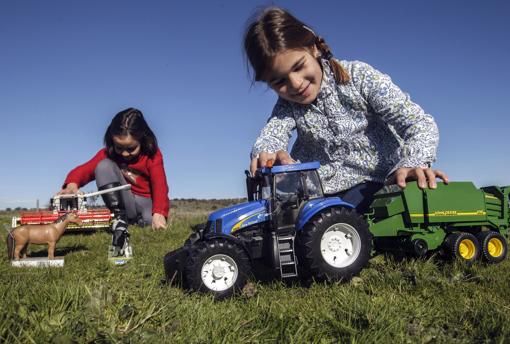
289 187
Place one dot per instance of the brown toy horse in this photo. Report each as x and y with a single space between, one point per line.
19 238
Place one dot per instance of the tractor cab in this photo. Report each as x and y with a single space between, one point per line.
285 183
286 188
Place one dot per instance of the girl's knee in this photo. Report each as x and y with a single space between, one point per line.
147 218
105 166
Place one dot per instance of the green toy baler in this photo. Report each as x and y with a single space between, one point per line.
457 218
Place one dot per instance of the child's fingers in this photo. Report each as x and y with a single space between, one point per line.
281 157
158 221
442 175
284 158
264 157
420 177
431 177
400 177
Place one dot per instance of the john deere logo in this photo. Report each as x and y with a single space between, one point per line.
445 213
452 213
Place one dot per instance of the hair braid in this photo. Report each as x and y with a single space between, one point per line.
341 75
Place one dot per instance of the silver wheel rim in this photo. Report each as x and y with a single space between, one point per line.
340 245
219 272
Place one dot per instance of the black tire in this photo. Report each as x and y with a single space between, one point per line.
462 246
493 246
174 263
233 268
420 248
334 262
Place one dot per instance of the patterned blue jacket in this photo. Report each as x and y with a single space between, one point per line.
361 131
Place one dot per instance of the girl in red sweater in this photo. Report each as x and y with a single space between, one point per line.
131 155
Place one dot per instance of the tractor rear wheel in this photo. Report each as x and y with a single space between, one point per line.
494 246
217 266
463 246
335 245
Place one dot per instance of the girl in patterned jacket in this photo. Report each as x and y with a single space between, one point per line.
350 117
131 155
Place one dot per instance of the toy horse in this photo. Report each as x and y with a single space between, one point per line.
19 238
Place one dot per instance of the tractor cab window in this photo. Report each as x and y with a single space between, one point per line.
258 186
265 188
313 184
288 187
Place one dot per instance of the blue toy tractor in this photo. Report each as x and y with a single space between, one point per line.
287 226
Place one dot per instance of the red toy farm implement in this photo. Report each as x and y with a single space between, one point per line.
91 217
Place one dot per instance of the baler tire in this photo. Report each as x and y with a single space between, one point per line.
221 256
463 246
329 235
493 246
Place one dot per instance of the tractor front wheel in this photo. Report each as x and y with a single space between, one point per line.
463 246
335 245
494 246
217 266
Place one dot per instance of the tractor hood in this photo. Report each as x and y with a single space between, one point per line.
233 218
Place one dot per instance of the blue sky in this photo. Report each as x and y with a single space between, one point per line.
67 67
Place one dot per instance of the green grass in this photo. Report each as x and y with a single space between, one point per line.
413 301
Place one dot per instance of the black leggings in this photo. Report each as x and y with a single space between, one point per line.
360 196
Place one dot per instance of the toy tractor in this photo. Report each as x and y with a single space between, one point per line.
287 226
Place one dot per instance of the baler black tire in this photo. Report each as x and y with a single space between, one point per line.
487 244
311 260
202 251
453 248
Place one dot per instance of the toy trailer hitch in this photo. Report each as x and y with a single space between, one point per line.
96 193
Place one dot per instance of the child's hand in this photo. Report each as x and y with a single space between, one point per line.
70 189
424 175
280 158
158 221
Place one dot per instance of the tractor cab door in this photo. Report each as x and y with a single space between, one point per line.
291 191
288 196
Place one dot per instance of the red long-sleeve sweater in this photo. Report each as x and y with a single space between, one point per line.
150 182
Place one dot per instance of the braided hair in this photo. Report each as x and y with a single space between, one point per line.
131 122
275 30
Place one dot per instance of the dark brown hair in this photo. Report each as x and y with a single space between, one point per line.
131 122
275 30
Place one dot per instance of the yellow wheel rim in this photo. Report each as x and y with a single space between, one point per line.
467 249
495 247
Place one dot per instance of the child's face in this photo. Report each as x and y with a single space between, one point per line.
126 146
296 75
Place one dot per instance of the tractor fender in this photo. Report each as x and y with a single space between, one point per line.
317 205
231 238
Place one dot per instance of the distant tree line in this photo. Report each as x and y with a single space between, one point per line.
16 209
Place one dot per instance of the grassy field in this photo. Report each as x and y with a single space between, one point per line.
411 301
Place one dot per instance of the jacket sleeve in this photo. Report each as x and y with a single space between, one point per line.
84 173
417 129
277 132
159 186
